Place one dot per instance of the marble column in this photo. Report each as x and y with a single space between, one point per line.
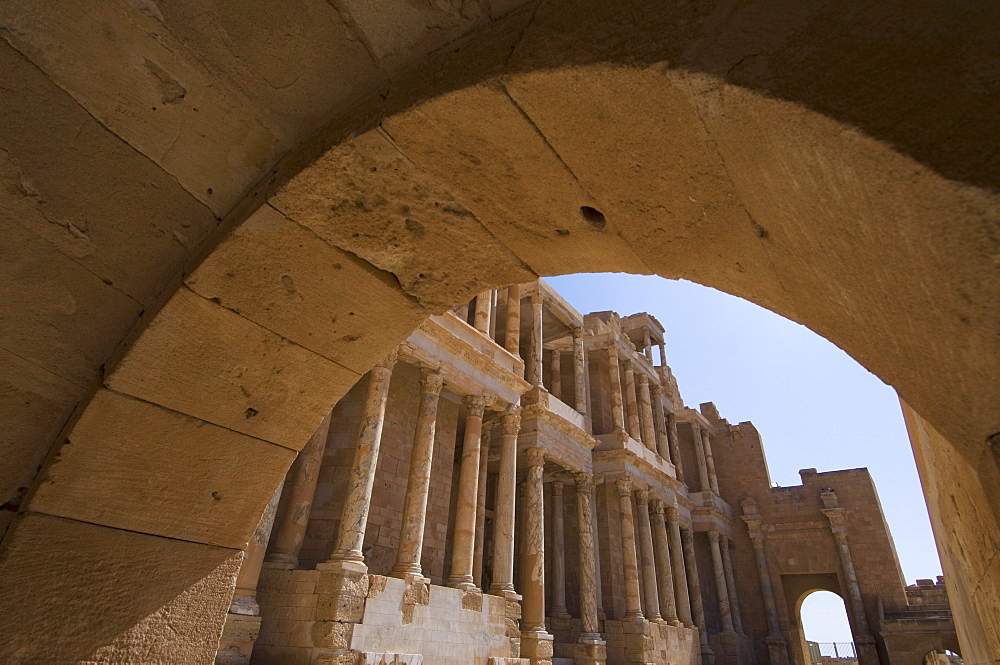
675 446
664 572
617 412
533 559
512 333
631 407
589 583
484 311
293 516
535 343
464 542
630 563
418 484
681 593
652 594
555 374
503 522
579 372
648 424
663 355
734 603
776 644
558 552
354 518
694 586
713 480
705 484
484 455
721 586
659 423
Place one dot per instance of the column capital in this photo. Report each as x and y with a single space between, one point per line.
389 361
584 482
557 486
612 349
510 422
713 537
671 513
537 298
476 404
757 540
536 456
642 497
696 428
431 381
624 487
686 532
656 505
577 332
643 379
654 389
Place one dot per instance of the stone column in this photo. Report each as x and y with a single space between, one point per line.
867 654
535 349
652 609
631 408
681 593
411 531
663 355
659 422
484 454
512 336
647 347
699 449
464 544
293 518
630 563
648 424
675 447
484 310
536 642
558 553
589 583
354 519
503 521
617 412
579 372
555 375
494 299
713 480
721 586
694 585
776 644
734 603
664 573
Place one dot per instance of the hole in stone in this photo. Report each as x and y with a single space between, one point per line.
251 412
216 496
593 216
562 232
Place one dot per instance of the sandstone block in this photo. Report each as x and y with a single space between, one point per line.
331 634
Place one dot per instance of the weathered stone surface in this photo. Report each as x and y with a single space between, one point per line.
93 478
201 359
370 199
80 571
282 276
331 634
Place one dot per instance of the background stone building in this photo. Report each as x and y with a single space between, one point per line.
519 483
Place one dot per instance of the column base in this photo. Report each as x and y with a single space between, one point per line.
465 583
343 565
278 560
536 646
777 650
410 577
590 652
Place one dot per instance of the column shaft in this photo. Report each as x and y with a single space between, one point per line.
648 424
533 560
630 563
659 423
484 311
647 347
558 552
681 593
535 360
503 522
713 480
721 586
555 375
484 454
245 596
512 334
464 545
579 372
652 594
734 604
617 412
694 586
411 532
590 630
699 449
663 355
664 572
675 446
631 408
354 519
293 517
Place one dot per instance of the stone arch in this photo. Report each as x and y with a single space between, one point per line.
796 593
859 218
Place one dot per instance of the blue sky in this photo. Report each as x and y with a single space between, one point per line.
814 405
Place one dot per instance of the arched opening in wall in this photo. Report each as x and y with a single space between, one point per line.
826 636
942 657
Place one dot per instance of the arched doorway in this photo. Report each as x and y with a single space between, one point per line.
825 631
689 175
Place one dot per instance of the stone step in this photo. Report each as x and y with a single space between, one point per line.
563 661
370 658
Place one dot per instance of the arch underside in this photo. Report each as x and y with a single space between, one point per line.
216 229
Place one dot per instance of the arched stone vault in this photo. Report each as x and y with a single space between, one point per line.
836 165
